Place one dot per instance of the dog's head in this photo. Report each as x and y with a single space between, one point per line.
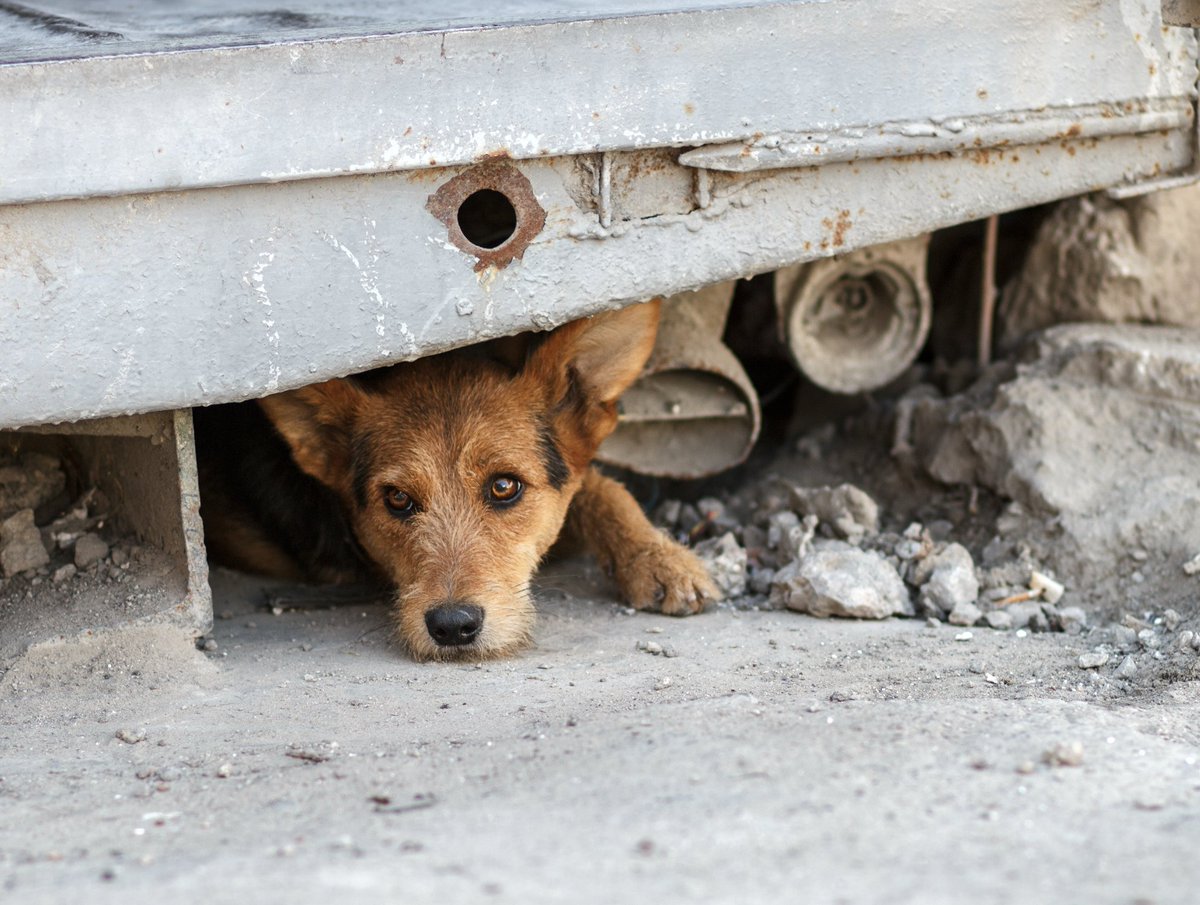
457 470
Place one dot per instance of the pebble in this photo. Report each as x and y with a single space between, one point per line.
1072 619
1127 669
951 581
650 647
1185 639
131 736
224 771
963 636
726 562
1192 566
89 550
209 645
1064 754
1171 619
120 556
64 573
21 547
999 620
842 581
1093 659
965 614
849 510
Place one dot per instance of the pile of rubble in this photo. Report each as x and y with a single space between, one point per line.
46 535
821 551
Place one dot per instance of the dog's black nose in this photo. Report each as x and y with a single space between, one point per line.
453 624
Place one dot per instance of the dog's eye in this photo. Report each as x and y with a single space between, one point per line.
504 490
399 503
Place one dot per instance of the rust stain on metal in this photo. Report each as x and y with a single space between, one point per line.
497 176
838 227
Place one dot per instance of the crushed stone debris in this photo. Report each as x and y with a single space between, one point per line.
1192 566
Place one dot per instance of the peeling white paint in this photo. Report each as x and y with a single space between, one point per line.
255 280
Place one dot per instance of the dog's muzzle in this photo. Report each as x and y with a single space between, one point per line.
454 624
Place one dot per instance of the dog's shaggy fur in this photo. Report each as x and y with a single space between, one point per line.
450 478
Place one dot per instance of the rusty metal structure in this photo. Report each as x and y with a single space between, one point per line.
209 202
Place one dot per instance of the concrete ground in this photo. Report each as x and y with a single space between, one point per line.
774 757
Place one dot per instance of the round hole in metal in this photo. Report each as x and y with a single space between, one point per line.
487 218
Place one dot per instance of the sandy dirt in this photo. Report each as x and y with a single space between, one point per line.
775 756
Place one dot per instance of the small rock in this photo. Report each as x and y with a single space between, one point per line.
1127 669
842 582
209 645
650 647
1092 659
760 580
1171 619
89 550
726 562
667 514
1064 754
963 636
224 771
999 619
21 547
120 556
131 736
848 509
1072 620
1185 639
1192 566
778 525
965 614
951 580
64 573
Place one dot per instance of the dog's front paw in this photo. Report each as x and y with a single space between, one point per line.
665 577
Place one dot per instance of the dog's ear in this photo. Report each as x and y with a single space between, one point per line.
600 355
317 424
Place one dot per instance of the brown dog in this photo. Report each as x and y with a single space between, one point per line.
451 477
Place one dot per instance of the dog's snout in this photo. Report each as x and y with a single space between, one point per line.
454 624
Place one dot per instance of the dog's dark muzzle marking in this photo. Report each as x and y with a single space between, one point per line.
454 624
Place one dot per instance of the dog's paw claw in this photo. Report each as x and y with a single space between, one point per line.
668 578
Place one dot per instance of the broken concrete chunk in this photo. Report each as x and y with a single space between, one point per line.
1072 619
965 614
89 549
1093 659
849 510
1095 259
21 546
842 582
951 581
1000 620
726 562
1096 439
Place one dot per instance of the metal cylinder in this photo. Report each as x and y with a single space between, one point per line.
693 412
856 322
